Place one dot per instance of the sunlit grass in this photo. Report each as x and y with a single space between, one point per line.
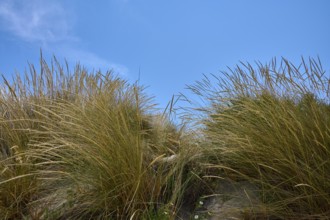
84 145
81 145
270 124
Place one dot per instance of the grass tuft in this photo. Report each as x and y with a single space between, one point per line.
270 125
84 145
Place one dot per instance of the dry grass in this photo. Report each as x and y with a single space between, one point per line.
271 125
92 146
82 145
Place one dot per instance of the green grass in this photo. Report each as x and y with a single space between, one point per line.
80 145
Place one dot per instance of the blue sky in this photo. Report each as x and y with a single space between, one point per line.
168 43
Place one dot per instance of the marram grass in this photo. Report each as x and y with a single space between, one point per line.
270 125
80 145
84 146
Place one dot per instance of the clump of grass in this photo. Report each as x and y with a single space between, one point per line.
101 146
85 145
270 124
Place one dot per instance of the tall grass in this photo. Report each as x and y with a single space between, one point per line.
84 146
270 124
80 145
18 184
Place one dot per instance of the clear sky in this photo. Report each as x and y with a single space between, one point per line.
168 43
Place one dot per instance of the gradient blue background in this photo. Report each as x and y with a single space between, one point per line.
168 43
